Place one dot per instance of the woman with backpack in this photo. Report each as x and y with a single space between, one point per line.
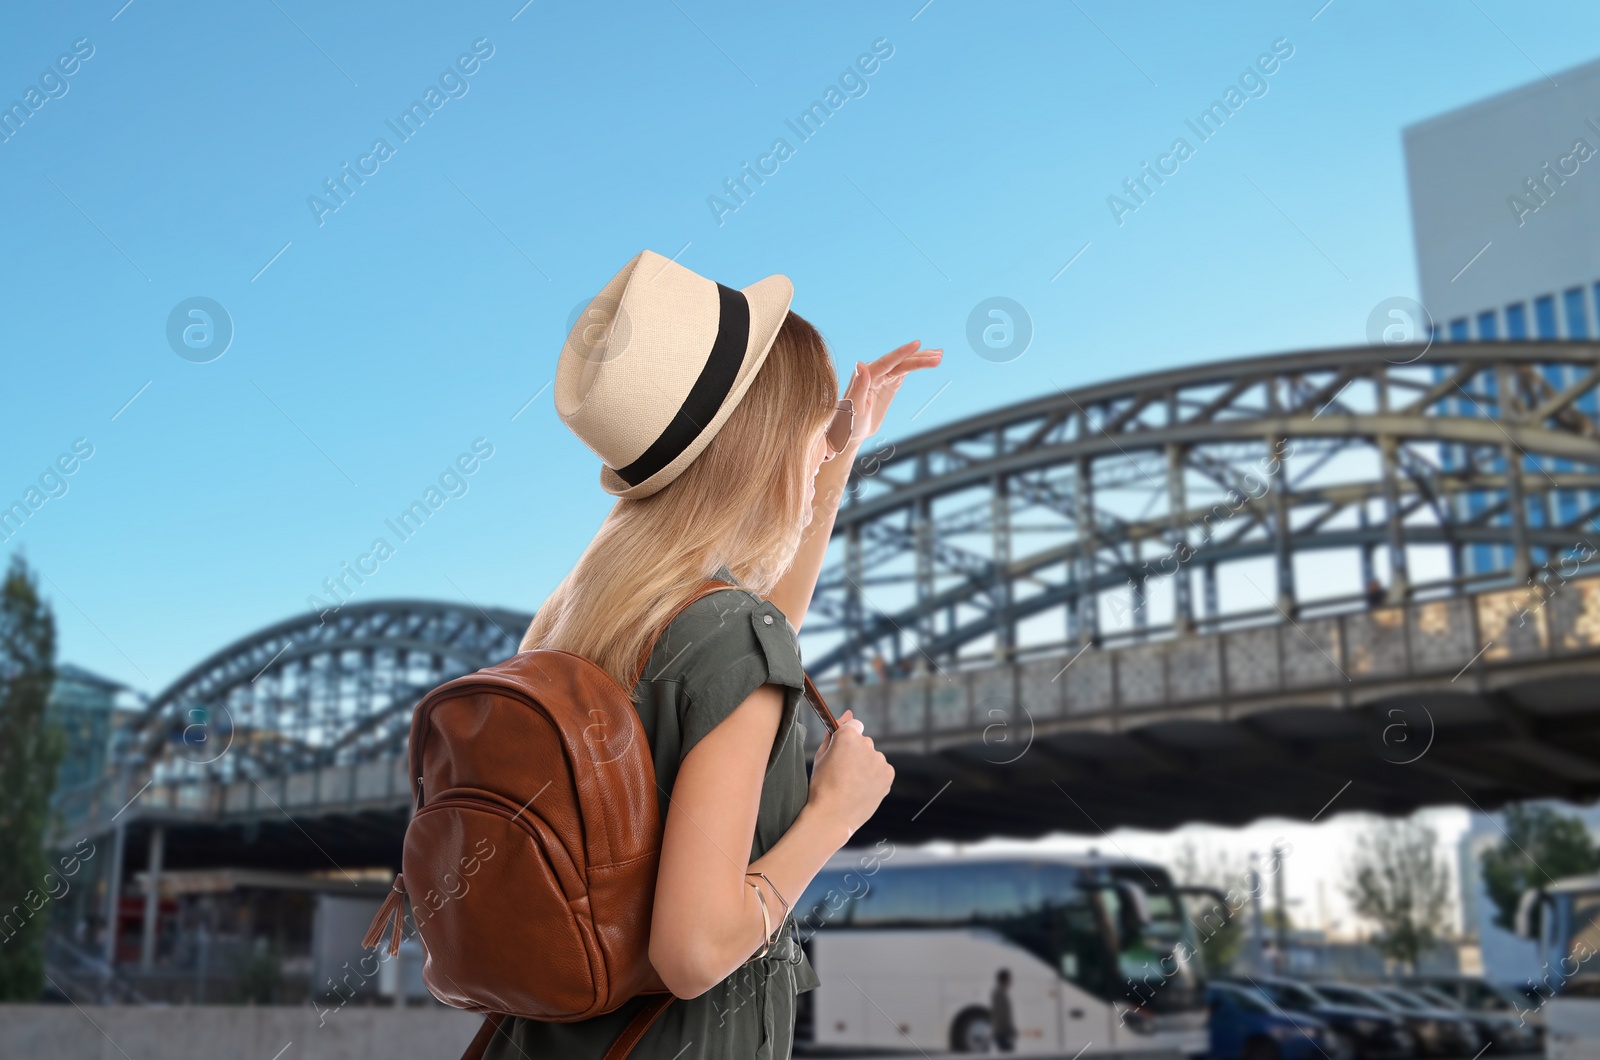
717 416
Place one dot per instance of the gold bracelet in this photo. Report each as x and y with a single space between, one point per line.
775 891
766 922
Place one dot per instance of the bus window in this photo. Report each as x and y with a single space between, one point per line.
967 895
981 894
936 894
896 897
830 901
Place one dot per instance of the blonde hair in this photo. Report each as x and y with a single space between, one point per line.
741 502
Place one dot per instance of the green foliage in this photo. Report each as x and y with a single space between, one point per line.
259 980
30 751
1193 867
1398 881
1540 846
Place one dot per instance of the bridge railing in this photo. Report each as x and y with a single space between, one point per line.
379 783
1452 638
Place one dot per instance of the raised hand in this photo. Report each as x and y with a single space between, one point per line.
873 386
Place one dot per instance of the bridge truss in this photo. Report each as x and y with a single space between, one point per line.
1113 507
316 691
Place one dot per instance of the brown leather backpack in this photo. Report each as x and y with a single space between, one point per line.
530 860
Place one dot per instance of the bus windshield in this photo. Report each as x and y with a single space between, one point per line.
1158 960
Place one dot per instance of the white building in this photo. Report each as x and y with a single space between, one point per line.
1505 209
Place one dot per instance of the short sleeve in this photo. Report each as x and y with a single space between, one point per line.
725 646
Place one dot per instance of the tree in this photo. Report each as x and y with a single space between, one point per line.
30 751
1397 880
1193 867
1540 846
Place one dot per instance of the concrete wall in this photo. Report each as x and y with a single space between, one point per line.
210 1032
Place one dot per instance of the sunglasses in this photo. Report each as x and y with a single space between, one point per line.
839 428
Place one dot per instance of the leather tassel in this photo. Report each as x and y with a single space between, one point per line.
394 936
392 910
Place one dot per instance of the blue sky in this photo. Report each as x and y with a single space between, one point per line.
372 348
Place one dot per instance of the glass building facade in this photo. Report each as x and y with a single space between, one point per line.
1563 315
84 705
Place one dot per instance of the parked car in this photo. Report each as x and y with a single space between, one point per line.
1476 994
1371 1033
1247 1025
1509 1032
1439 1032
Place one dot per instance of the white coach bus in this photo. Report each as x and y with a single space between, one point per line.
1101 953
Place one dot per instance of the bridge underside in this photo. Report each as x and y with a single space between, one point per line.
1466 743
1450 745
325 843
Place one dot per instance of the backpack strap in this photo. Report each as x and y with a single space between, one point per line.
814 697
642 1021
709 586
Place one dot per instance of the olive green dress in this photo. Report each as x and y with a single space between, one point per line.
712 656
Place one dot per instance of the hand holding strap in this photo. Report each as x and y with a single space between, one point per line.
814 697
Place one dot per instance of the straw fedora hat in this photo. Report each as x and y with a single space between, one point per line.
656 364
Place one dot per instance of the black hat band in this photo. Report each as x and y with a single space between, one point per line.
708 393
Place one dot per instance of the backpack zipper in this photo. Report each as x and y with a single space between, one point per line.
529 823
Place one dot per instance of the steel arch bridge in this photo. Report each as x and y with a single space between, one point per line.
317 690
1094 535
949 540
